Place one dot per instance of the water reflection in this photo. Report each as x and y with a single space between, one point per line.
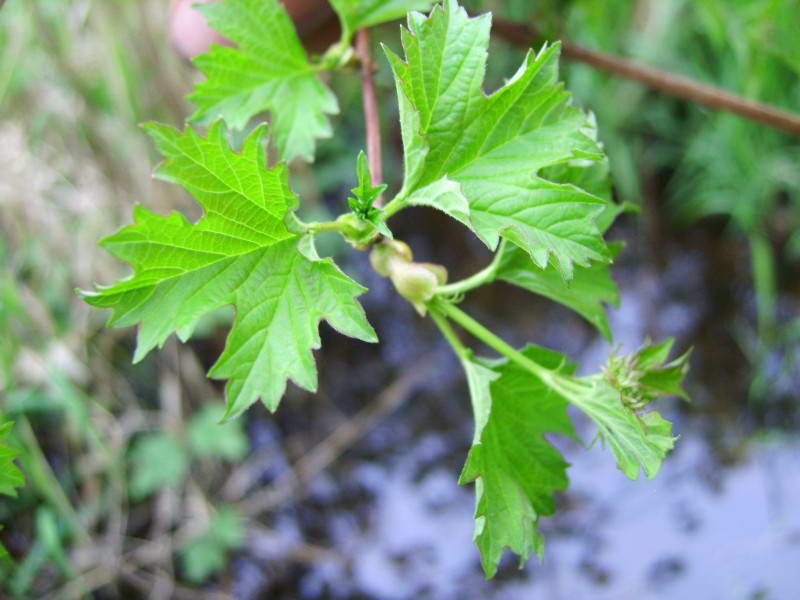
700 530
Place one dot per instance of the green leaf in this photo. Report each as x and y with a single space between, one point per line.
496 147
592 287
241 253
358 14
587 293
208 437
516 471
157 461
267 71
207 554
11 478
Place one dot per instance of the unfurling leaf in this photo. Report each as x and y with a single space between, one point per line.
496 148
645 375
267 71
362 202
240 253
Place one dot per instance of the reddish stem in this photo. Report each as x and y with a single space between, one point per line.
663 81
371 115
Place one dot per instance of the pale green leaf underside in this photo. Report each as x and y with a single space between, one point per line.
240 253
495 146
267 71
587 293
638 442
516 471
357 14
445 195
479 379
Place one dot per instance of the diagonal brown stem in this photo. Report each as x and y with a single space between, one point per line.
371 114
664 81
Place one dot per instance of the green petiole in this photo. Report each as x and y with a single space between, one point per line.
482 277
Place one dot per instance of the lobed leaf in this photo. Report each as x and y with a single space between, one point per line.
240 253
267 71
515 469
495 147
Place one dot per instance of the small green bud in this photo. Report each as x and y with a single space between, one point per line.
358 233
416 282
385 253
438 270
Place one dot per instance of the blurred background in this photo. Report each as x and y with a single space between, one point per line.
133 491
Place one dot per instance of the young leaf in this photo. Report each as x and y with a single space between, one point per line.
239 253
516 471
495 147
11 477
362 202
358 14
645 375
267 71
207 554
